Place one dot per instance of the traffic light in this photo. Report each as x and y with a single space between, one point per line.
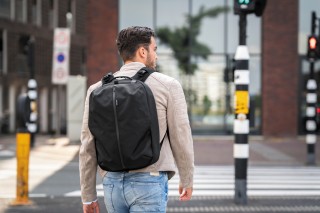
313 48
318 116
244 6
249 6
228 75
259 7
23 110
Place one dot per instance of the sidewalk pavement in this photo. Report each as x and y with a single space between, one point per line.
54 153
209 150
273 151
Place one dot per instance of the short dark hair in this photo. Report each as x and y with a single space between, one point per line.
131 38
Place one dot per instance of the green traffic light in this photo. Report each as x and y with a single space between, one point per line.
244 1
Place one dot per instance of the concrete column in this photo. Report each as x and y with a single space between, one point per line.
43 110
1 101
54 109
5 52
76 94
63 108
12 108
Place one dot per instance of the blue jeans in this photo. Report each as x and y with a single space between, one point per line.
135 192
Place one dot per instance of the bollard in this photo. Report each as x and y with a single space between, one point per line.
22 152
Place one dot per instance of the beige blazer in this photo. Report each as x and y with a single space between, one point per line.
172 114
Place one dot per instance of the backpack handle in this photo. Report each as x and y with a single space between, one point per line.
141 75
110 77
125 77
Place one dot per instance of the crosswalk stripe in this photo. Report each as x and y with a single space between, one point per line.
262 181
4 174
6 153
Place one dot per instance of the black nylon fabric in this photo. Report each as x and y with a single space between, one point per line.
126 105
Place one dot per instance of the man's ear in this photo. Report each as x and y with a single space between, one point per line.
142 52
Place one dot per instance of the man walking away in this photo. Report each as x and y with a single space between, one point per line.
146 189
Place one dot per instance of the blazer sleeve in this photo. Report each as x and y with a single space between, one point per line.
180 134
87 158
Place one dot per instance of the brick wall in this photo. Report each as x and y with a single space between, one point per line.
102 29
81 16
280 68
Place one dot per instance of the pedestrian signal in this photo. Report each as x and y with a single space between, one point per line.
245 2
23 110
313 48
249 6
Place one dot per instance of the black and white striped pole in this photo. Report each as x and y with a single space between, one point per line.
241 122
32 125
32 94
311 96
311 125
241 97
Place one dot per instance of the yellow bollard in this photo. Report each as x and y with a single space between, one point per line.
23 150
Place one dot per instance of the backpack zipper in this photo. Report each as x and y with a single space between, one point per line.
115 104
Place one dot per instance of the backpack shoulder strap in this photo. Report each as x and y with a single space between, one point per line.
143 74
167 133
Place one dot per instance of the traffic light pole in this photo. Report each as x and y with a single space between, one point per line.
241 98
311 101
32 93
241 122
242 29
311 124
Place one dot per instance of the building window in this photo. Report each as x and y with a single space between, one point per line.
22 57
5 8
83 61
51 9
36 12
70 16
53 14
21 10
3 52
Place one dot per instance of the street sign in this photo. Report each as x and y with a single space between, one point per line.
60 63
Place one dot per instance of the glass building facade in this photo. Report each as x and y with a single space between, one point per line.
220 34
211 105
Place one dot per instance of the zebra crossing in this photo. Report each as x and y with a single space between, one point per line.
261 181
5 152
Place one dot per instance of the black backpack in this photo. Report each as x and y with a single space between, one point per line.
123 120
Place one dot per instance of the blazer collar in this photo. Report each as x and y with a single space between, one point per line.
133 66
